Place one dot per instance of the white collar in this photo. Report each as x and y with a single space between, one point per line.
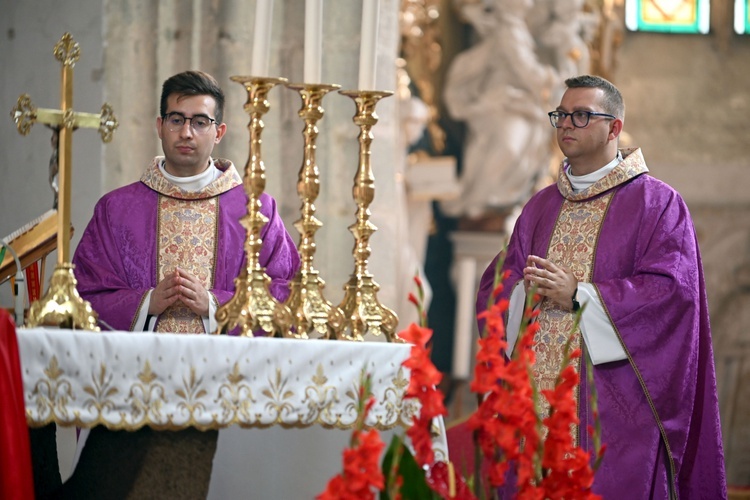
581 182
193 183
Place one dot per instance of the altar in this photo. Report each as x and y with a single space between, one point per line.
284 408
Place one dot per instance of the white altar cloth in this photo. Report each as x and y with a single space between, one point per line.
127 380
282 405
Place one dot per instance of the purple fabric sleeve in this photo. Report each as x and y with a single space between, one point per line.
115 261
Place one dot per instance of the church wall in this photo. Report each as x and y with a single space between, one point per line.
687 106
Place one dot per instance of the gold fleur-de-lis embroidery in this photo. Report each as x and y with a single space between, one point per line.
236 398
146 398
101 391
277 393
192 391
147 375
53 369
320 377
52 394
320 399
351 408
394 398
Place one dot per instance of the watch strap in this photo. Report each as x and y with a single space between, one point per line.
576 304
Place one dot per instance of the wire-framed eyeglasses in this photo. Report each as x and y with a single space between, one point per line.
199 123
580 119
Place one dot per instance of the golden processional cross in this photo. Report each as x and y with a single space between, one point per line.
62 306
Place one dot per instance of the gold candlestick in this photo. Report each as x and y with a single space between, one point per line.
363 313
312 314
252 307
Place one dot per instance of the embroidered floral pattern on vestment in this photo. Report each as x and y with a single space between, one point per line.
573 245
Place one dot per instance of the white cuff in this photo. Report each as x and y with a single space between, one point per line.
598 333
142 315
515 316
209 323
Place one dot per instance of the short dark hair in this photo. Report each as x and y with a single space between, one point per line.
190 83
612 103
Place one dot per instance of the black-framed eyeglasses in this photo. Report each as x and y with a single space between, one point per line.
199 123
580 119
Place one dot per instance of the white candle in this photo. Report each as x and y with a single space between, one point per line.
368 44
313 40
262 37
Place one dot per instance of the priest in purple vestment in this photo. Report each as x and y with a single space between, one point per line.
612 238
162 254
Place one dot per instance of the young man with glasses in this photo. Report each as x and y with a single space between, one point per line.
161 255
610 237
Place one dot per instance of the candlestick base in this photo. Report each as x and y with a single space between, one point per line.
365 317
62 306
253 309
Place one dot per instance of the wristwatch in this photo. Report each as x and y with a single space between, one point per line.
576 304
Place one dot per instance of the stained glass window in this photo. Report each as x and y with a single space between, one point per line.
671 16
742 16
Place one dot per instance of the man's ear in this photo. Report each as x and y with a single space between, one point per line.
158 126
614 132
220 131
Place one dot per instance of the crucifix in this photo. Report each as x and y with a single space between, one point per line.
62 306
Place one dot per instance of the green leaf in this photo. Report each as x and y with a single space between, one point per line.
414 486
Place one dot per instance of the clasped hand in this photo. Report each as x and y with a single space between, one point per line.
179 286
553 281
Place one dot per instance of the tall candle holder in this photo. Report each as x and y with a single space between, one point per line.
252 307
363 312
312 314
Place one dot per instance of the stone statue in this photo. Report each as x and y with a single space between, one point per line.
502 90
567 35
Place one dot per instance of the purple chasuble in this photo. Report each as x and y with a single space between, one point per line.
659 408
116 261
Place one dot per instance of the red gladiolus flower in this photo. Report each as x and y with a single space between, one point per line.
416 335
418 281
413 299
422 386
362 475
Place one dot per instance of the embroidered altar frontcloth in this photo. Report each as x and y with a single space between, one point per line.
125 380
